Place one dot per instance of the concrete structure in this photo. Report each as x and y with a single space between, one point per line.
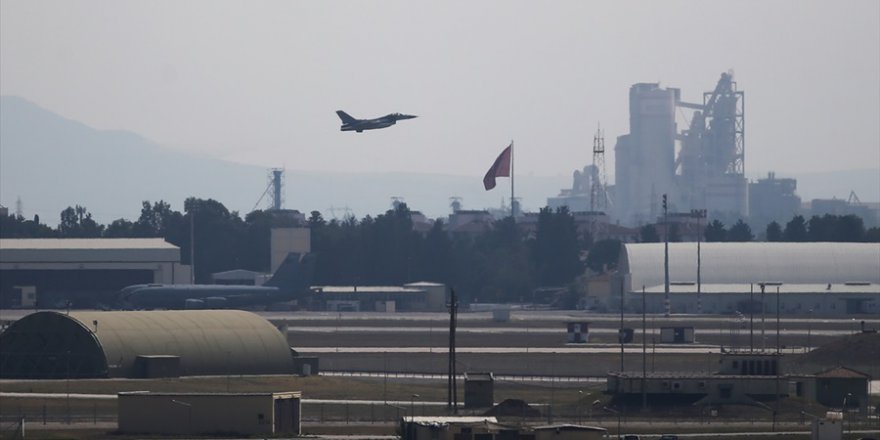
47 345
284 241
707 173
418 297
451 428
773 199
488 428
843 387
194 414
741 379
479 390
569 432
827 278
86 272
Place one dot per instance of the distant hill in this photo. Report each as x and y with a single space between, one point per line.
52 162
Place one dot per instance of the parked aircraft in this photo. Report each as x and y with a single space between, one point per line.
350 123
290 281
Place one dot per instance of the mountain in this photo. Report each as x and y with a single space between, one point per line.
51 162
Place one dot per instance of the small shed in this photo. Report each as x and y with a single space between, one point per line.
841 386
452 428
677 335
578 332
479 390
203 413
569 432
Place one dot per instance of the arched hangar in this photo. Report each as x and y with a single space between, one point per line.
142 344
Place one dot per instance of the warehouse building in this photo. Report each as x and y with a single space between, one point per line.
203 413
82 272
47 345
818 278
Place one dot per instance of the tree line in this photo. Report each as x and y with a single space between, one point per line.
506 263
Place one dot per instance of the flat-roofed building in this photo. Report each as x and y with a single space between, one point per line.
207 413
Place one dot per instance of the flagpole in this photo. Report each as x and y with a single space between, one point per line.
512 200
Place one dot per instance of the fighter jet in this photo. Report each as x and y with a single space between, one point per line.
359 125
290 281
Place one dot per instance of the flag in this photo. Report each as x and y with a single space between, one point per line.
501 168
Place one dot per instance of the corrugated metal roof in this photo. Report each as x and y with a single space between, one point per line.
842 373
85 243
365 289
785 288
739 263
207 341
85 250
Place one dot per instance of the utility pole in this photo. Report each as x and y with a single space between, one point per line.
451 392
644 354
666 257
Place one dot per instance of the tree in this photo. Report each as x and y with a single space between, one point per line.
555 254
603 255
715 231
78 223
822 228
674 234
795 229
850 228
873 235
740 232
120 228
13 226
774 231
648 234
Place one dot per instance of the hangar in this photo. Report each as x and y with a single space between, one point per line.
48 344
86 272
821 278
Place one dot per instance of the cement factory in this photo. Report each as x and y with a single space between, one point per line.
700 167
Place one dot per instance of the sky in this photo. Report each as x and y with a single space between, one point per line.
259 82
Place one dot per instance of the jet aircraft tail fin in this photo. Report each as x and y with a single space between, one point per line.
294 275
346 118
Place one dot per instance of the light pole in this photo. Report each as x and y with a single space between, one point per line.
188 413
614 411
412 413
700 214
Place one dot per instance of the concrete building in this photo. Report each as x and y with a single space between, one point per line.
773 199
827 278
479 390
50 345
85 272
144 412
645 158
708 171
413 297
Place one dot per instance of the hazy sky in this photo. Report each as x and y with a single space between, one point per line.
258 82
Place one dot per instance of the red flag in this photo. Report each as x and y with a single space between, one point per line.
501 168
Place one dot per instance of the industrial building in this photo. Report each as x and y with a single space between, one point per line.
83 272
414 297
47 345
743 378
144 412
772 199
708 171
819 278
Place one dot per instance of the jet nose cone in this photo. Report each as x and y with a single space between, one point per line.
408 116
